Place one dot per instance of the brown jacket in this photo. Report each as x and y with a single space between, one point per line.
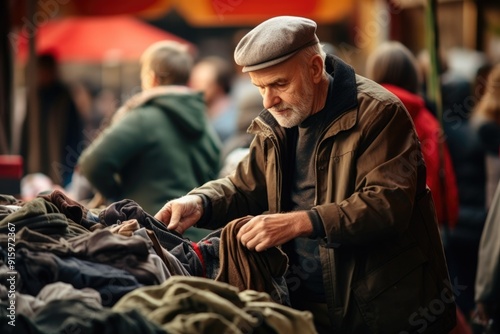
383 263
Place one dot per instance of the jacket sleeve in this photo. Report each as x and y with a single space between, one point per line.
239 194
102 162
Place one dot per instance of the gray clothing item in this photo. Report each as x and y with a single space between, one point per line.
487 287
164 270
29 305
61 290
76 316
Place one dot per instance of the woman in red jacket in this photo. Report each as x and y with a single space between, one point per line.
394 66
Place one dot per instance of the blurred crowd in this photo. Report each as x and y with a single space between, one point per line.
82 128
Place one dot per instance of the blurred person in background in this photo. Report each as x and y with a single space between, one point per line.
486 119
455 88
469 161
213 75
480 79
159 144
237 146
95 106
55 151
487 285
395 67
473 170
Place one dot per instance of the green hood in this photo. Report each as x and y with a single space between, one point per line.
186 110
184 106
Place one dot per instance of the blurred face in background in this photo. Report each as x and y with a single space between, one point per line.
46 76
203 79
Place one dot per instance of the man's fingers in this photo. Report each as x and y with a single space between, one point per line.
175 217
257 243
261 247
164 215
245 229
248 236
243 235
240 234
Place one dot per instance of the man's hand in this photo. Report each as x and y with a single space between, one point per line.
483 313
181 213
265 231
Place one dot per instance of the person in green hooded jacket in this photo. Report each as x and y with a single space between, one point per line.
159 144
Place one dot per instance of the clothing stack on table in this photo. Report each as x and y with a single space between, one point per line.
111 270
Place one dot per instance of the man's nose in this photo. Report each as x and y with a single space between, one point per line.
270 99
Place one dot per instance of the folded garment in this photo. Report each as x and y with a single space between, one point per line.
42 216
76 316
199 305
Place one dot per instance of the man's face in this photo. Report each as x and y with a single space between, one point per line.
287 90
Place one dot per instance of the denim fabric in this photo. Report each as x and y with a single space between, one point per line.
37 269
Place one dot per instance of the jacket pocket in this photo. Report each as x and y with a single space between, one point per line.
389 297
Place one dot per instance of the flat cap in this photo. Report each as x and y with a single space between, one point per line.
274 41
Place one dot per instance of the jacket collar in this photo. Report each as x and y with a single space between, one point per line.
345 95
344 84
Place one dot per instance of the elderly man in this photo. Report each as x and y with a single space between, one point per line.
335 176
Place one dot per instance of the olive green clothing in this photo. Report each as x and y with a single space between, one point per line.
200 305
158 148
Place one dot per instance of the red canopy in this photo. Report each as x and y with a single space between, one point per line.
96 38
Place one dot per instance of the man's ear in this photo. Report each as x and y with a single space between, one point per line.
316 67
154 79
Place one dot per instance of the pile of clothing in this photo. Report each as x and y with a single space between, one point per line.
65 268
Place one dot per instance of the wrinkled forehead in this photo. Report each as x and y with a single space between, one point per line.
277 74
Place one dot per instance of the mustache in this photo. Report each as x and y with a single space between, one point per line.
279 107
